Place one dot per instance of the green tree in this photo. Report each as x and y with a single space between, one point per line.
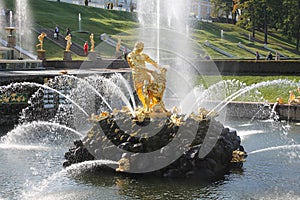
221 8
260 15
291 20
252 15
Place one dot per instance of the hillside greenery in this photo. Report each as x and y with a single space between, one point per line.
263 15
48 14
269 92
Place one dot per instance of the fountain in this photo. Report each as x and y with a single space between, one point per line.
11 38
19 40
146 146
161 146
140 152
128 134
24 24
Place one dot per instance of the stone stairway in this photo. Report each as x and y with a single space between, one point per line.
25 53
274 51
108 40
207 43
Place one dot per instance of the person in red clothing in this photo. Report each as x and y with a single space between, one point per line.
86 48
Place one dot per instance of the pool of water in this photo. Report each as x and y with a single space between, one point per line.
30 170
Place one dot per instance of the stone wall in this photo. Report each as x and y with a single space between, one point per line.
250 67
225 67
288 112
79 64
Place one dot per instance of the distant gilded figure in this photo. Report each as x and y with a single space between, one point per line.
92 42
69 42
118 47
41 40
147 82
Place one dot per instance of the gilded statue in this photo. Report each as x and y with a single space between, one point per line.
92 42
292 97
41 40
118 46
69 42
149 84
119 53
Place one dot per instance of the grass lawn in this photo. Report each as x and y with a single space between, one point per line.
269 92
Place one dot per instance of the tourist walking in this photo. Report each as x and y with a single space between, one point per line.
206 57
68 32
269 56
56 32
257 55
277 56
86 48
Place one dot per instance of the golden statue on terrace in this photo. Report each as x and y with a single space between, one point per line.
92 42
292 98
149 84
41 40
69 42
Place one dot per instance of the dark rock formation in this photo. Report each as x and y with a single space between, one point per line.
119 130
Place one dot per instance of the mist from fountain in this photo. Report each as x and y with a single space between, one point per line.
24 24
119 77
205 97
2 19
34 191
58 92
38 132
90 87
237 94
112 90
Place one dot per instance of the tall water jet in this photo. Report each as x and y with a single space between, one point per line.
2 19
24 24
163 30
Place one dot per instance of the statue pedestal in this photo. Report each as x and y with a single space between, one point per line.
41 54
92 56
11 40
67 56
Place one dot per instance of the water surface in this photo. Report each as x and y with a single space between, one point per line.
34 171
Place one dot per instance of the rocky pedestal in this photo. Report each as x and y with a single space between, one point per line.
41 54
11 41
172 138
67 56
11 38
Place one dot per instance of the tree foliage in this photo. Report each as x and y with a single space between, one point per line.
221 8
283 15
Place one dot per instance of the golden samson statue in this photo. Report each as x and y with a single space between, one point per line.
149 84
